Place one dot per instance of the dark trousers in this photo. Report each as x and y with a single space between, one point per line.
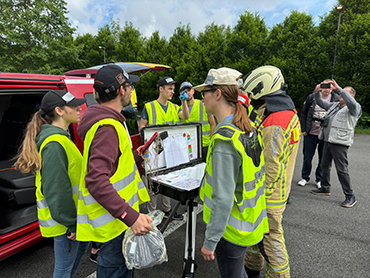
230 259
111 263
310 142
338 153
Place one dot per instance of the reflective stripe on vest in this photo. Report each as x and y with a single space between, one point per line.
48 226
157 116
198 114
94 222
248 219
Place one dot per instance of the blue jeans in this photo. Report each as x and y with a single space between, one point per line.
310 142
111 263
68 255
230 259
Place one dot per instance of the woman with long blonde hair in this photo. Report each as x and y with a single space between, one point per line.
232 190
48 151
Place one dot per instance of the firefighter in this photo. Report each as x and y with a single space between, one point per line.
281 136
233 189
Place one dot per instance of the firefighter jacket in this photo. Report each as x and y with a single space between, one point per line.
281 135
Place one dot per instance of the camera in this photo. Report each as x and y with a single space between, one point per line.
325 86
324 121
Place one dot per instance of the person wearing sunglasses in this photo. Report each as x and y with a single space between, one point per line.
233 187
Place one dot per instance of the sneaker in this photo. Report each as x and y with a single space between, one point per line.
176 216
349 202
94 257
302 182
318 184
320 191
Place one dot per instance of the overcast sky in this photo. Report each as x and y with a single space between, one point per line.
165 15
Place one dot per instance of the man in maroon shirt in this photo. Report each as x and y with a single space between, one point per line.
112 89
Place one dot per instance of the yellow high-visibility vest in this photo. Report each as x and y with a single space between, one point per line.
94 222
248 219
157 116
48 226
198 114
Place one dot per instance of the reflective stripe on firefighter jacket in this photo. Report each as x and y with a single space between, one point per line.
198 114
157 116
248 219
48 226
94 222
281 135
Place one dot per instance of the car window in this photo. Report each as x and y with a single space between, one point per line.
16 113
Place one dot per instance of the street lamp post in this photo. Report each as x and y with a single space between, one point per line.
339 9
102 47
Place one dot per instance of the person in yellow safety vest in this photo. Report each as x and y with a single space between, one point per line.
198 114
159 112
281 136
233 188
111 189
48 150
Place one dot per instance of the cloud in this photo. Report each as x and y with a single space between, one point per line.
165 15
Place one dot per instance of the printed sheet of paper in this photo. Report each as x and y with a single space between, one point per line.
176 150
185 179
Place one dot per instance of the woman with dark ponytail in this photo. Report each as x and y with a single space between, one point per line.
48 151
233 189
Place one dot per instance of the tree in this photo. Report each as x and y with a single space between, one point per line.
246 45
291 46
32 34
129 44
153 51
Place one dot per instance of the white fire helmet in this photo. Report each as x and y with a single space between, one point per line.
265 80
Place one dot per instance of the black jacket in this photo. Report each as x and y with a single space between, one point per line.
309 108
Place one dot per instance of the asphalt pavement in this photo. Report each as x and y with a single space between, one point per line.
323 238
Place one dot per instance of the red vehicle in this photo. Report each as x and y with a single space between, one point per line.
20 97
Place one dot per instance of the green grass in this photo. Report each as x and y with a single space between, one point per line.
362 130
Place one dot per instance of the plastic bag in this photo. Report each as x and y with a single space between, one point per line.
143 251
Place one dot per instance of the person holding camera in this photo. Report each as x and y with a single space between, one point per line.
338 134
310 125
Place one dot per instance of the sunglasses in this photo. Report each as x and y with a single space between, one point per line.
204 92
132 86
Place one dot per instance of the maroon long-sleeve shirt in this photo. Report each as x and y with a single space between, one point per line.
103 162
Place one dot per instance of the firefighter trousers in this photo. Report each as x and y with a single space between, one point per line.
275 249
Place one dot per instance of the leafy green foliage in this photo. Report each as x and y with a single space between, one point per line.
35 35
32 34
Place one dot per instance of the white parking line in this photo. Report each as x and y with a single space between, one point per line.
173 226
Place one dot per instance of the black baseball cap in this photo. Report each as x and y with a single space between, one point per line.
111 77
56 98
167 80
